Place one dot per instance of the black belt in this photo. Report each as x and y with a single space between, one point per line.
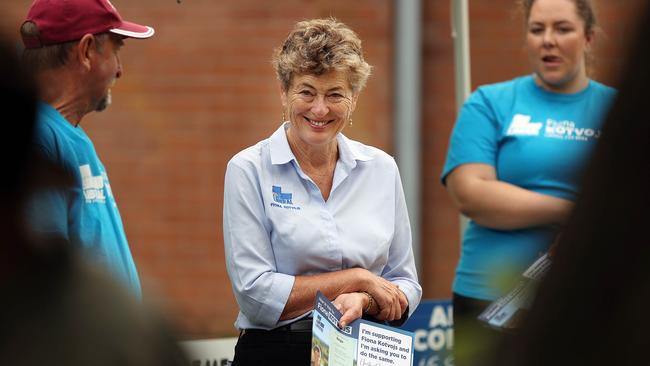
302 325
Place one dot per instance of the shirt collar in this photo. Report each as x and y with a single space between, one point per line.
280 150
349 151
47 111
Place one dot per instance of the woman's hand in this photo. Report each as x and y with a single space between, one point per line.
391 301
351 305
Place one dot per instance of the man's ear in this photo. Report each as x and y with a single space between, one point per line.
85 50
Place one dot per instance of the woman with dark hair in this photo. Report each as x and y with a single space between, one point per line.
515 159
592 307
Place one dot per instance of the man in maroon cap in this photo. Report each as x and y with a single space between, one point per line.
72 48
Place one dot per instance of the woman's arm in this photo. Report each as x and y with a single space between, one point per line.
388 297
331 284
478 194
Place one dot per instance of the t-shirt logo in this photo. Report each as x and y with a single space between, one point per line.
93 186
282 198
521 125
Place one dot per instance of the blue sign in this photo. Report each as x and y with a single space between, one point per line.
433 325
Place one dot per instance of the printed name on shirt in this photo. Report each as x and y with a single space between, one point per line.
282 199
567 130
93 186
521 125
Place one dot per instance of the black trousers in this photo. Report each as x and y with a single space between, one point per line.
257 347
474 342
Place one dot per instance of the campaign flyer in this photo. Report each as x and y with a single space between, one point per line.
508 312
362 343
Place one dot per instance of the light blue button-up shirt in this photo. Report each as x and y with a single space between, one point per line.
277 225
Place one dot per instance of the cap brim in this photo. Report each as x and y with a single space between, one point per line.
132 30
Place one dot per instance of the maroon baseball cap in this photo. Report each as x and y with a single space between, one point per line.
60 21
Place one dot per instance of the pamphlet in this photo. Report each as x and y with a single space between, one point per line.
508 312
361 343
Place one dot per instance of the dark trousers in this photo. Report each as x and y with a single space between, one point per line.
474 342
273 347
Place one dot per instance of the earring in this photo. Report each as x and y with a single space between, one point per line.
350 122
283 117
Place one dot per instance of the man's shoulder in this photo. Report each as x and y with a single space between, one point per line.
46 136
49 123
59 140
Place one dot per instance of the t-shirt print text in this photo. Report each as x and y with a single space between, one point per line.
521 125
282 199
93 186
567 130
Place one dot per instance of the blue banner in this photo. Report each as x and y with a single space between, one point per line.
433 325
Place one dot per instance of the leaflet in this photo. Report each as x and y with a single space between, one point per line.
362 343
508 312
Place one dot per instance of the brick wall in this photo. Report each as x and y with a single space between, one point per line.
203 89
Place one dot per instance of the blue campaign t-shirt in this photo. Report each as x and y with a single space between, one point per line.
86 214
535 139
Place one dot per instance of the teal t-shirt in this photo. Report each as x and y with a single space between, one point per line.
535 139
86 214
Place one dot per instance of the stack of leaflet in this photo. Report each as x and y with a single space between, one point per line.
508 312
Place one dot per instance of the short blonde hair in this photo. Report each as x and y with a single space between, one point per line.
320 45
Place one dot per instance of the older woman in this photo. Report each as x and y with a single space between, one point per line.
309 209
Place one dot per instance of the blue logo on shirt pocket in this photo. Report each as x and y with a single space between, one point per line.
282 198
